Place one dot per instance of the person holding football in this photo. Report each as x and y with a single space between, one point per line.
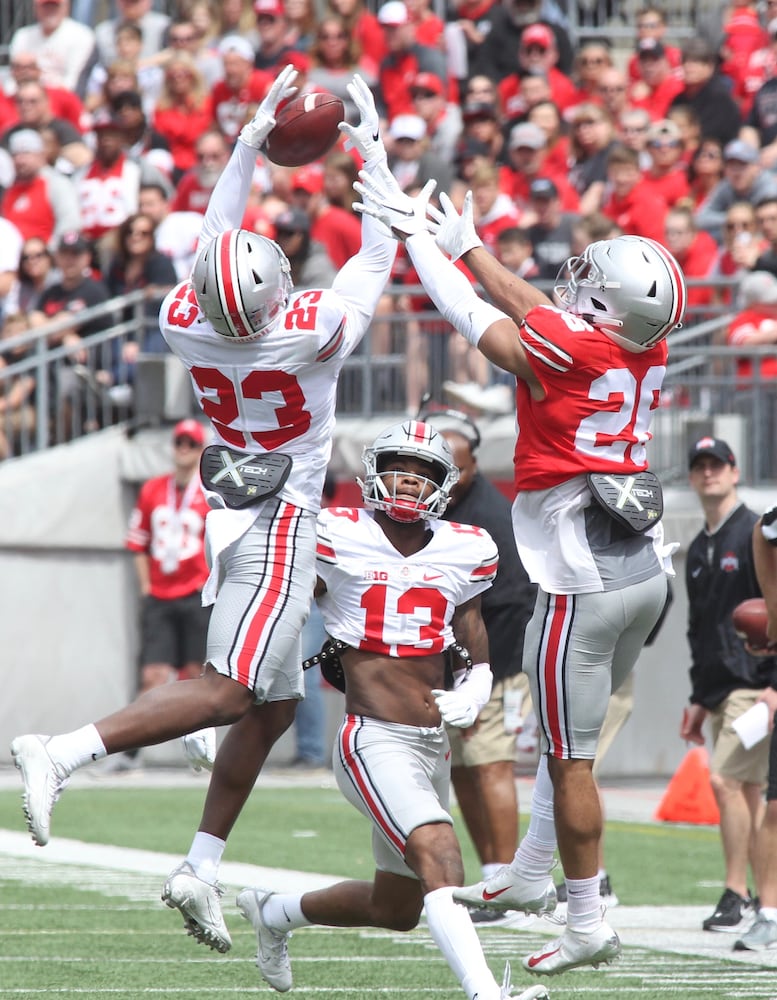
586 514
264 363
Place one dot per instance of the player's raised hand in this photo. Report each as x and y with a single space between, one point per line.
453 233
364 137
383 199
256 131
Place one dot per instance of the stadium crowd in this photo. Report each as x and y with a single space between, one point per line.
114 131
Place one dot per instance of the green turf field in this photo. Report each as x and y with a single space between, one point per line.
70 930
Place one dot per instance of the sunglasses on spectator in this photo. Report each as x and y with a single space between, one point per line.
664 143
186 442
417 94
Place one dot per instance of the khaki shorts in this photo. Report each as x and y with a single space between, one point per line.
619 709
490 743
729 757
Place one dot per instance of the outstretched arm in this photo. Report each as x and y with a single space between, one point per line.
229 198
361 281
489 329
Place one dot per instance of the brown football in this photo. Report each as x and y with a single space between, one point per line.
305 129
750 621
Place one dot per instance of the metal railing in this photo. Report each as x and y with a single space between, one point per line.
82 387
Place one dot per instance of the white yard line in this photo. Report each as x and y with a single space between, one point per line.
138 875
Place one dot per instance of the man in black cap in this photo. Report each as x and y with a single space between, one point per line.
725 679
311 266
551 234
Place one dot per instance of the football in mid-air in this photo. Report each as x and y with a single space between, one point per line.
750 621
305 129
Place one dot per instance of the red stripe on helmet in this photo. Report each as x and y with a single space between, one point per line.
228 286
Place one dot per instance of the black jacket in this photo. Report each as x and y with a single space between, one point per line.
506 606
719 573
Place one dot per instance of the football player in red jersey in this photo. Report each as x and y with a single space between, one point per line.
264 362
586 514
397 587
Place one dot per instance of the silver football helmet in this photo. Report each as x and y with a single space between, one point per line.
417 440
630 287
242 282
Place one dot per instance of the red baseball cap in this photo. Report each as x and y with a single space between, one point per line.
272 8
309 178
537 34
190 428
427 81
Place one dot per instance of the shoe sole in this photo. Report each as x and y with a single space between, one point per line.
39 837
202 935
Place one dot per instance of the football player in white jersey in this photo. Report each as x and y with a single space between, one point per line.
586 514
264 363
397 587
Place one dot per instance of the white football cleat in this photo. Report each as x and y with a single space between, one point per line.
272 947
575 948
200 906
508 890
43 781
200 748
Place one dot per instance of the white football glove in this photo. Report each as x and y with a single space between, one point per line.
453 233
200 749
464 704
364 137
255 132
383 199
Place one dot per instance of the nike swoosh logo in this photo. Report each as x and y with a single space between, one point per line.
695 573
492 895
535 960
448 757
432 576
376 137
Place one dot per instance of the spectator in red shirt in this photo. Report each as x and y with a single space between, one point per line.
234 99
166 533
651 23
694 250
362 25
756 323
404 59
493 209
273 51
659 83
33 111
64 103
666 176
40 202
537 54
428 26
547 116
743 35
337 229
592 58
612 90
193 191
632 206
527 161
183 110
